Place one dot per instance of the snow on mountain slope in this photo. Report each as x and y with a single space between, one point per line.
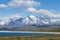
6 20
29 20
21 21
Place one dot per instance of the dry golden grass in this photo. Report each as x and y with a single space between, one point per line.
29 38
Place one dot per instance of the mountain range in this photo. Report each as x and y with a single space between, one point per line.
29 22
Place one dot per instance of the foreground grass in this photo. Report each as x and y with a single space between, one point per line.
30 38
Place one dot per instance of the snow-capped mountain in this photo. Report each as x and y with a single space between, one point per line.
29 20
24 23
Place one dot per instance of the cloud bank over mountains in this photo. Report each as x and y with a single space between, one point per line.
44 16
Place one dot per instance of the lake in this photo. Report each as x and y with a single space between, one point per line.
26 33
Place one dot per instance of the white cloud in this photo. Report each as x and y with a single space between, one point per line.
33 10
43 12
20 4
46 12
3 6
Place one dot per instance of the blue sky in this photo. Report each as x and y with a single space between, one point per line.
50 4
9 7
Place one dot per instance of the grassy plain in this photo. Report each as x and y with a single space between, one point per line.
30 38
51 37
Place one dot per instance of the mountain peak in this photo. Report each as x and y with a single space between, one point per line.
29 20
